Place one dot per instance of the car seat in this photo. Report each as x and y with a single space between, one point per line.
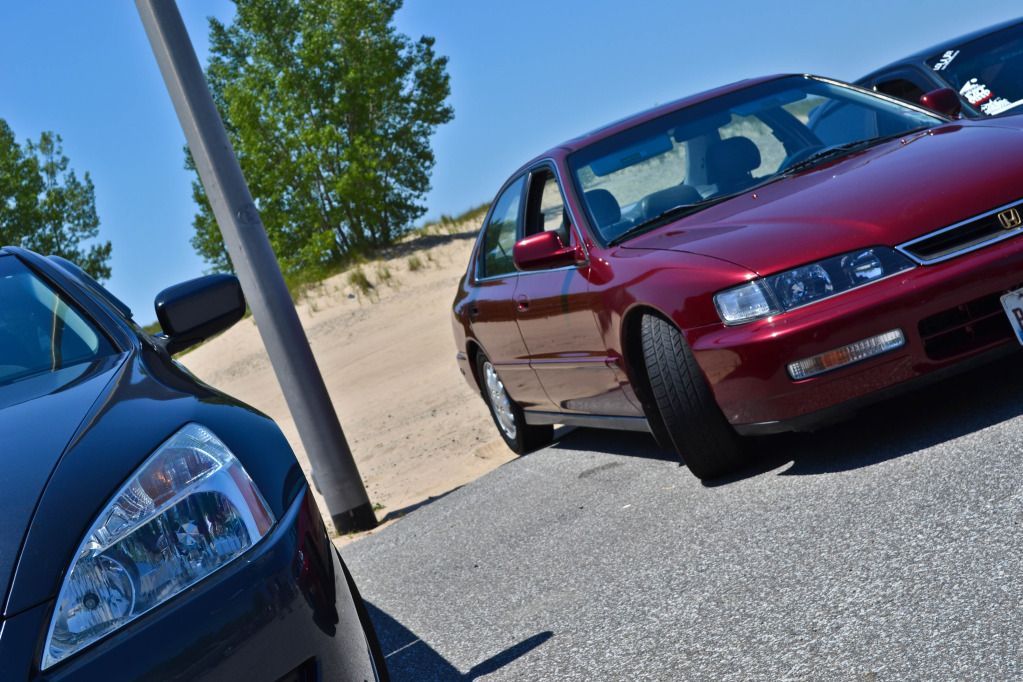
730 163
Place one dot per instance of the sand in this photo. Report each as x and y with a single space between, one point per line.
416 428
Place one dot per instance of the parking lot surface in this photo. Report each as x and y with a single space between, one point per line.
886 547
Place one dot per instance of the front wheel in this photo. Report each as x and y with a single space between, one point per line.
702 437
508 416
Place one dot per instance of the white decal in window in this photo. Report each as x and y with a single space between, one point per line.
998 105
946 59
975 93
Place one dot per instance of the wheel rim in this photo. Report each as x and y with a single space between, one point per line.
500 403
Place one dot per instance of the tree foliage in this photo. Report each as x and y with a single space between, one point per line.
44 206
330 111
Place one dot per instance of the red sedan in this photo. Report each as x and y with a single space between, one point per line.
762 257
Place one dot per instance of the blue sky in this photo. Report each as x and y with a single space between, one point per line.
525 76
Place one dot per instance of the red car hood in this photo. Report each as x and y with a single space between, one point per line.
884 195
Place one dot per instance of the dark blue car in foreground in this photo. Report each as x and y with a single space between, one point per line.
985 68
151 527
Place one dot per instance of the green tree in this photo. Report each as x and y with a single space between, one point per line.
45 207
330 111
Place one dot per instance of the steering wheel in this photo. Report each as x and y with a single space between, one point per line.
800 155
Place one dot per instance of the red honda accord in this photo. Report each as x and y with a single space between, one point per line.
761 257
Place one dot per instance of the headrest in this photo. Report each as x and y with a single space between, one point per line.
732 157
657 203
603 207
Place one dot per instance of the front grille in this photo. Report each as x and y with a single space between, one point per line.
964 237
967 328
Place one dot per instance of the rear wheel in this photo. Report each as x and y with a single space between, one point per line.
508 416
702 437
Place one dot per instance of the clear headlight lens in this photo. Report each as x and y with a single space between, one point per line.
743 303
808 284
189 509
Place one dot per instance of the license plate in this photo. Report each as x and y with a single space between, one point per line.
1012 302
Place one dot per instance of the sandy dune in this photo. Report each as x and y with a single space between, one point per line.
415 427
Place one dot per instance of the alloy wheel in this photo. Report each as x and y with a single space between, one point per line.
499 401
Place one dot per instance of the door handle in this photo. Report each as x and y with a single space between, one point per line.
522 303
474 312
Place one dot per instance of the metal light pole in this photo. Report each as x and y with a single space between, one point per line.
260 275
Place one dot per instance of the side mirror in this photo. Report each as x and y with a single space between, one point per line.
943 100
195 310
544 250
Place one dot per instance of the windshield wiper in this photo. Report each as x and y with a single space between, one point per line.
665 216
848 147
828 153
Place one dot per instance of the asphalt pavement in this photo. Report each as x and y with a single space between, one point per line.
887 547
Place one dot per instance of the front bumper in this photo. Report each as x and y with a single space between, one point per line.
282 611
746 365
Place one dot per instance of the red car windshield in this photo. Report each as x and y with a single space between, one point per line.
39 330
697 155
987 72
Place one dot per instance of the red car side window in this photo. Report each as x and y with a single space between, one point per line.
495 257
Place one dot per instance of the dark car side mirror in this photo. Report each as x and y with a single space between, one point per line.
195 310
943 100
544 250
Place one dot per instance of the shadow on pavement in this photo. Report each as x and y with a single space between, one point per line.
410 658
630 443
398 513
913 421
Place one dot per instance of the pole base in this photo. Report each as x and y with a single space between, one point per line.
353 520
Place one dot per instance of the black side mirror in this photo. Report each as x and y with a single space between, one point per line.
195 310
943 100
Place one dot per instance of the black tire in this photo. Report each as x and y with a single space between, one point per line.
379 662
703 438
521 437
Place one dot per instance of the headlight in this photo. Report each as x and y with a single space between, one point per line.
189 509
749 301
808 284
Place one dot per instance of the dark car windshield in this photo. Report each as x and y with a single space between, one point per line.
695 156
40 330
987 71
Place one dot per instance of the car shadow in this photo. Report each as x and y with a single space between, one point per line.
893 428
398 513
410 658
913 421
629 443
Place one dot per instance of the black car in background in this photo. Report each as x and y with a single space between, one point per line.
151 527
984 67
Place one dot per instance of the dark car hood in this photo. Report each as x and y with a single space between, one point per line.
886 194
38 417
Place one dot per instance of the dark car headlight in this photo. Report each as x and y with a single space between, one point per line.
190 509
807 284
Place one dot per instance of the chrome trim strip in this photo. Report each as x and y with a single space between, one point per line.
880 95
588 362
521 273
596 421
1007 234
